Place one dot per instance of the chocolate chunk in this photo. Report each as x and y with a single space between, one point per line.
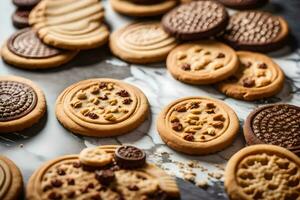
70 181
177 126
186 67
221 55
262 66
54 196
181 108
61 172
71 194
194 105
189 137
93 115
105 177
102 85
76 164
56 183
20 18
248 82
104 97
127 101
123 93
130 157
133 188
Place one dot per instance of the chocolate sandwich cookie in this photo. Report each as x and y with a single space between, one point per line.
129 157
196 20
277 124
244 4
22 103
256 31
25 3
20 18
25 50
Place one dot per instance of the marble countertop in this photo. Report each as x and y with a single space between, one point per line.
48 139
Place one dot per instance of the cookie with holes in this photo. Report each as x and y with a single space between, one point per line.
11 181
258 77
256 31
277 124
142 42
22 103
101 107
263 172
203 62
196 20
197 125
142 8
67 178
244 4
25 50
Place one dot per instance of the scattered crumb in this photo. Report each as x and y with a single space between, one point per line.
189 176
202 184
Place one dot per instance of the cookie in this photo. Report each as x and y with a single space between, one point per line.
197 125
70 24
20 18
135 9
256 31
277 124
95 157
11 180
28 4
202 62
244 4
66 178
258 77
142 42
25 50
22 103
196 20
101 107
129 157
274 170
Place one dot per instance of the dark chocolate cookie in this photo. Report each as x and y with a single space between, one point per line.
129 157
256 31
277 124
196 20
25 3
244 4
20 18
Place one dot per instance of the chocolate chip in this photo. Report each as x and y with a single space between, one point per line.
221 55
180 108
56 183
248 82
186 66
128 156
262 66
194 105
90 185
104 97
93 115
123 93
127 101
177 126
96 197
76 164
210 105
105 177
133 188
71 194
102 85
54 196
61 172
189 137
70 181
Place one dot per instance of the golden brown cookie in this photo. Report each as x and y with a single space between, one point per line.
70 24
263 172
127 7
258 77
11 181
197 125
96 157
66 178
101 107
203 62
142 42
22 103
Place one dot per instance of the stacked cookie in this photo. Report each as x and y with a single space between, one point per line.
20 17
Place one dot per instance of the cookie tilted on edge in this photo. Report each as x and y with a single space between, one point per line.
263 172
11 181
197 125
142 42
202 62
258 77
101 107
67 178
22 103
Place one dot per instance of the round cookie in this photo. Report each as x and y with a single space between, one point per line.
196 20
20 18
263 172
142 42
101 107
66 178
197 125
244 4
22 103
28 4
11 181
129 8
202 62
95 157
258 77
25 50
277 124
256 31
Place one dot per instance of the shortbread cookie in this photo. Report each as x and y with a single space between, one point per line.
277 124
28 4
130 8
197 125
66 178
25 50
143 42
101 107
256 31
243 4
11 181
20 18
258 77
263 172
96 157
196 20
202 62
22 103
70 24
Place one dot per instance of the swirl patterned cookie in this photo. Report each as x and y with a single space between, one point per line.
203 62
263 172
22 103
142 42
258 77
101 107
67 178
197 125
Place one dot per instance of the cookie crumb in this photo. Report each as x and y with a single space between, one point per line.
202 184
